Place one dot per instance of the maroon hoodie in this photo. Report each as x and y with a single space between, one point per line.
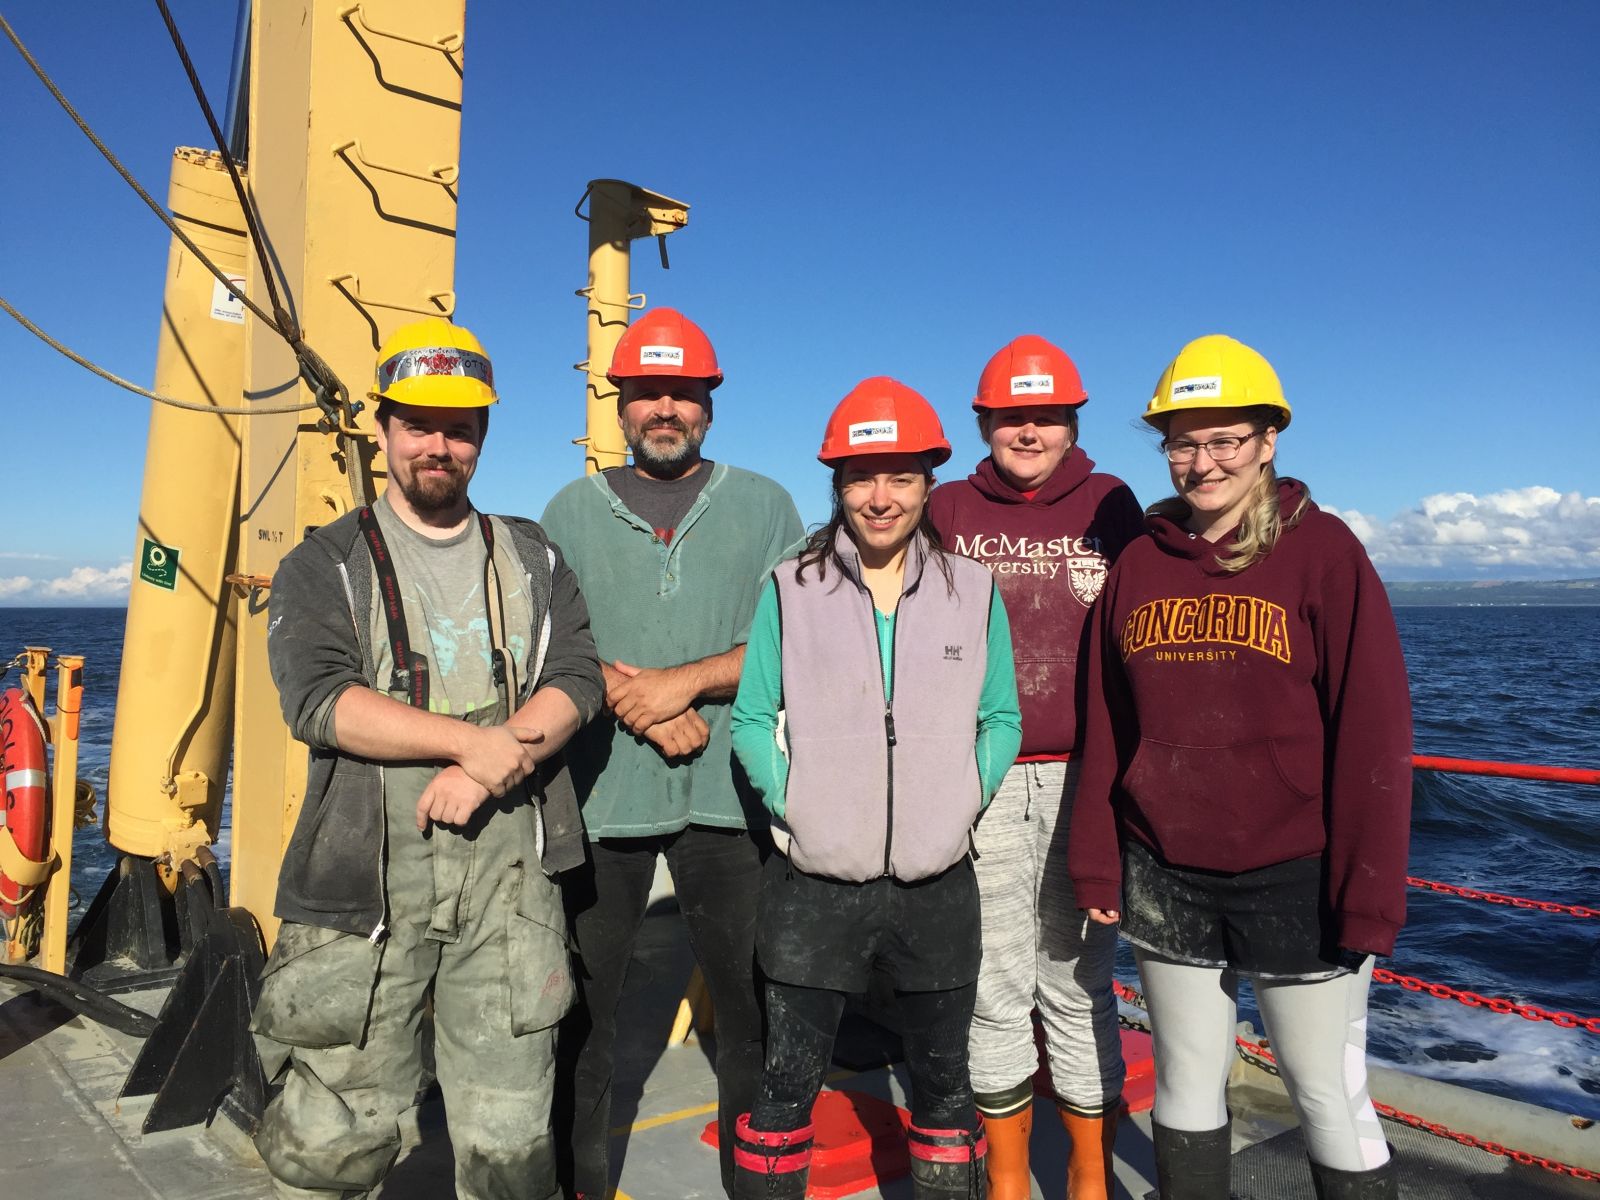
1049 556
1240 720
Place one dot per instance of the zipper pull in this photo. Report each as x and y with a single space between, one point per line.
888 722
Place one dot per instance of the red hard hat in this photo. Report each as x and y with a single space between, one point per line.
664 342
883 416
1029 370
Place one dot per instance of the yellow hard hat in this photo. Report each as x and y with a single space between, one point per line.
434 364
1216 372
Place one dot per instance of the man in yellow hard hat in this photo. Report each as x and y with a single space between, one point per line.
432 658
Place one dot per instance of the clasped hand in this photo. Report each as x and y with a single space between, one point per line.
496 760
645 696
653 703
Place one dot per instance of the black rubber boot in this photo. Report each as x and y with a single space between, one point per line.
1193 1166
1380 1183
770 1166
948 1164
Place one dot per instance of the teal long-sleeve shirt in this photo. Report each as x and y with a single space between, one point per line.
755 711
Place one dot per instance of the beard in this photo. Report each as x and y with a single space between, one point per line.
669 460
433 494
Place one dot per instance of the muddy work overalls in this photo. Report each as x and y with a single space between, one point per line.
475 926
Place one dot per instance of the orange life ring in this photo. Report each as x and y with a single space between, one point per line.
25 823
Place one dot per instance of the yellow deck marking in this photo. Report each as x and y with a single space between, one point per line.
700 1110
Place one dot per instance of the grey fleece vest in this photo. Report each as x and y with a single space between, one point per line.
881 788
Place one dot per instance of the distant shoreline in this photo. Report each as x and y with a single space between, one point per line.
1495 593
1410 593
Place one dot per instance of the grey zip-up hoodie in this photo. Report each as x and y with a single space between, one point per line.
319 643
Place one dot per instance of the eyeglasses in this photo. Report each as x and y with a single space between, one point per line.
1221 450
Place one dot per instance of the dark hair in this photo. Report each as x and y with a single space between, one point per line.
820 550
386 410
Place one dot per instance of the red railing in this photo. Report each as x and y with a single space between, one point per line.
1259 1054
1504 770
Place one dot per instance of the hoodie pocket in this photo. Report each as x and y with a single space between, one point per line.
1228 807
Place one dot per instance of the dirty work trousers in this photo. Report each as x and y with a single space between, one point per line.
804 1022
716 874
474 921
1040 951
1319 1035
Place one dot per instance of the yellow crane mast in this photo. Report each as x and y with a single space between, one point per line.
346 145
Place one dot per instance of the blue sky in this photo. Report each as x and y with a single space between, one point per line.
1398 204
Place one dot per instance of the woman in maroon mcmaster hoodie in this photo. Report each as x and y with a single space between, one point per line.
1246 793
1048 528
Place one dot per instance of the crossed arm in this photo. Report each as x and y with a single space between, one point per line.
484 760
655 703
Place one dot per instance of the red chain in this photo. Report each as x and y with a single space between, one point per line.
1263 1057
1499 1004
1549 906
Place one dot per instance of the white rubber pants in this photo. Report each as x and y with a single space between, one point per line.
1318 1032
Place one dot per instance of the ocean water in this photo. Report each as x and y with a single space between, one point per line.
1513 684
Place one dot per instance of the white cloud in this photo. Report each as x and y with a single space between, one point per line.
18 555
77 586
1531 531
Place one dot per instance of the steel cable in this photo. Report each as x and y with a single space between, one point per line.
283 321
318 375
190 405
116 164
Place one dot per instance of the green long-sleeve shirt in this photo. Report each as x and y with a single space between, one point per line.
658 604
756 737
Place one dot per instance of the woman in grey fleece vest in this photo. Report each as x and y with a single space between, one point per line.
876 715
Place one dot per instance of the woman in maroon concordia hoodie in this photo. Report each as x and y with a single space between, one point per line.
1246 792
1048 528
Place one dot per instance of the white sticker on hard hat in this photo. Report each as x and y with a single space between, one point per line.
1198 388
661 356
864 432
1033 385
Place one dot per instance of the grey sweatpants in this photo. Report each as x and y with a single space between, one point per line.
1040 951
1319 1037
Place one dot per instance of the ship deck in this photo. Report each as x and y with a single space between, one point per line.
68 1136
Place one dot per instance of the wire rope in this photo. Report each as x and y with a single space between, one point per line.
127 176
285 323
314 369
190 405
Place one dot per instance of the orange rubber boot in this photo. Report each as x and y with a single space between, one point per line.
1089 1175
1008 1154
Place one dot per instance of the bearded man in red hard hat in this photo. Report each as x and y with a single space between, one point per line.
673 549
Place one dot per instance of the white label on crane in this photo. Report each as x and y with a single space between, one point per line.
1033 385
863 432
225 306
